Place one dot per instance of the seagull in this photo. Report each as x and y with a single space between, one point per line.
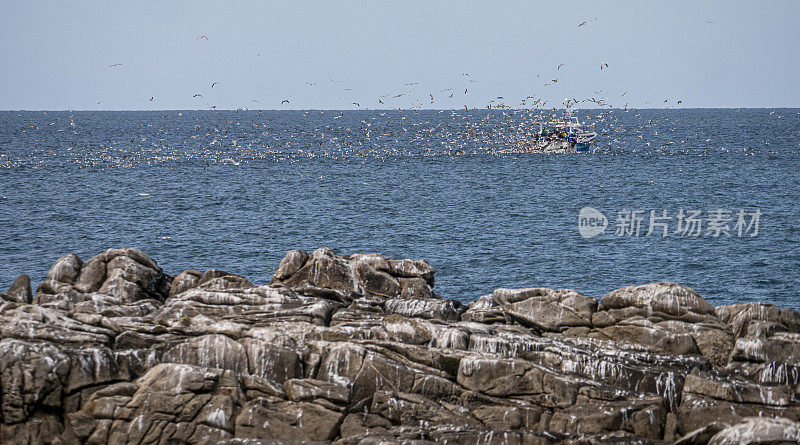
465 91
215 83
679 102
554 80
256 101
198 95
310 83
284 101
152 98
581 23
116 64
380 101
412 83
559 67
710 21
602 64
202 37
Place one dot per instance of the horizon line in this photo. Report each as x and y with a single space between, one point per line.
384 109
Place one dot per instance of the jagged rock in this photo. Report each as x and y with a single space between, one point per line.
20 290
327 275
128 274
291 263
324 275
359 349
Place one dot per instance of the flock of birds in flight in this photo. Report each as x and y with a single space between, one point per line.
228 139
530 100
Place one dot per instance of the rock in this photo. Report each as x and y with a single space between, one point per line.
20 290
209 351
412 269
781 347
415 288
702 435
663 316
407 330
666 300
547 309
738 391
217 280
188 279
759 430
309 390
291 263
359 349
296 421
429 308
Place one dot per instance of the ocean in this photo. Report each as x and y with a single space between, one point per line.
236 190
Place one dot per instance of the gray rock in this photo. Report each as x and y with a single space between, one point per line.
20 290
552 310
759 430
359 349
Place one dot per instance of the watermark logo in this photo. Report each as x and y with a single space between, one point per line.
591 222
686 223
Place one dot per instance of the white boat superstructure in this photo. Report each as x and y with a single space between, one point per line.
566 135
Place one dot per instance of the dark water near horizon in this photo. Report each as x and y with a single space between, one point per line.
235 191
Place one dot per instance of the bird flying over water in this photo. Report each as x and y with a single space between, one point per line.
215 83
581 23
202 37
152 98
116 64
603 64
284 101
198 95
559 67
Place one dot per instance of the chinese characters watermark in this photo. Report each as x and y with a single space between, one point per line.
683 223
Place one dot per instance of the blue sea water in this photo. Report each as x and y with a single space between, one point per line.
235 191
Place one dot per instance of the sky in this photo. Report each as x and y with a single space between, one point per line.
351 54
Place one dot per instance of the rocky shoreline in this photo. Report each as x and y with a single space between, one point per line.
358 349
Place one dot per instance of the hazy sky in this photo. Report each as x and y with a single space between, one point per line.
56 55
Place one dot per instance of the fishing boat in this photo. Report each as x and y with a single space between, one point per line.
566 135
